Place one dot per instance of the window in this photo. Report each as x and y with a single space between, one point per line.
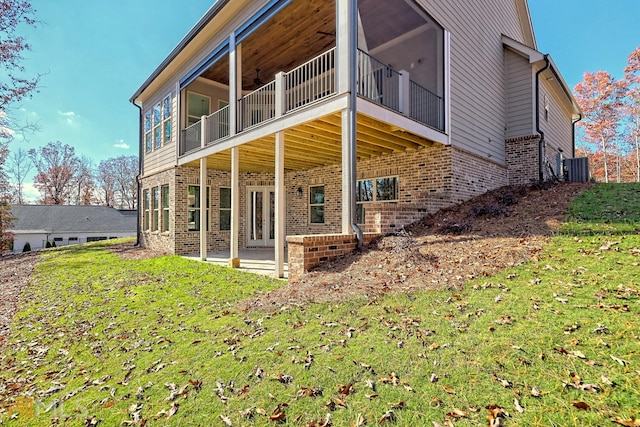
146 204
58 239
96 239
225 209
73 239
165 207
193 208
374 190
155 202
157 125
316 204
197 106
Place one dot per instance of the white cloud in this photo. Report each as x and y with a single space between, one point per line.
30 194
122 144
70 116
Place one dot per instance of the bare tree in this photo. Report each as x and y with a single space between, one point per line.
106 183
83 182
56 165
126 170
18 167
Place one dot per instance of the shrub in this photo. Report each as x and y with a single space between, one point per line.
48 245
53 244
26 247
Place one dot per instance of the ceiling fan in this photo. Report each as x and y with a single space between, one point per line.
257 80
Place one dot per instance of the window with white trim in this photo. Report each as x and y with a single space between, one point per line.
157 125
374 190
193 208
164 194
155 202
146 200
225 209
316 204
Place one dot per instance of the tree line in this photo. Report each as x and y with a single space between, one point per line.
611 122
62 177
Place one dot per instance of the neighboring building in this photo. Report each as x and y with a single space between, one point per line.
67 225
345 116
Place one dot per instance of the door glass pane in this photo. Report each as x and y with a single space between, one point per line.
256 215
272 215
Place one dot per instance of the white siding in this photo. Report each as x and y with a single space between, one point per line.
520 108
478 96
557 128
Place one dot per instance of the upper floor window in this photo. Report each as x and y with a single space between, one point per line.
157 124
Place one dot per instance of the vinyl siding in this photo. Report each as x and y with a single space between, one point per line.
164 157
519 81
557 129
478 95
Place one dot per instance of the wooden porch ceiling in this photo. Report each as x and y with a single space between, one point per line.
302 30
319 143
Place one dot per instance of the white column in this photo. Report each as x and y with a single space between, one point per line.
346 49
280 94
203 209
405 92
234 260
235 82
280 206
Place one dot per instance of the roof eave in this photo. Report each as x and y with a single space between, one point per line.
206 18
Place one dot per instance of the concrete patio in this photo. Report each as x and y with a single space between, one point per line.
258 261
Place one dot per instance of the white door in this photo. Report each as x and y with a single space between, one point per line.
261 216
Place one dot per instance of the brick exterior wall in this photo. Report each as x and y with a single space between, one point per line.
307 252
522 159
429 179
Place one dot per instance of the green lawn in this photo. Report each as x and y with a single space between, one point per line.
161 342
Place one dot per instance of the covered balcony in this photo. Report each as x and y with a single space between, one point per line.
289 64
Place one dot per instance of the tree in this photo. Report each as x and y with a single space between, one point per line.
116 179
14 87
632 106
18 167
83 182
57 165
600 98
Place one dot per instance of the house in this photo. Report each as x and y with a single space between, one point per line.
314 124
67 224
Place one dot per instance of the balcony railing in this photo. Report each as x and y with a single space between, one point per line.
311 82
257 106
383 85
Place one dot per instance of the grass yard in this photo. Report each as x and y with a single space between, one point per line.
99 340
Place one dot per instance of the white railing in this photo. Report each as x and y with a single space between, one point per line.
257 106
217 125
191 138
313 81
310 82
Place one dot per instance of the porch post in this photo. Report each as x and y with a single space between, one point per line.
280 205
235 82
346 47
203 208
234 260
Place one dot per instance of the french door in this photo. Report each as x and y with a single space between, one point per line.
261 216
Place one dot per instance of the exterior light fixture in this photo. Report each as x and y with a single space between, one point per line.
299 192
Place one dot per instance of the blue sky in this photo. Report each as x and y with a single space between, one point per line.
96 53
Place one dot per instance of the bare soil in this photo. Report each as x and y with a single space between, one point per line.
500 229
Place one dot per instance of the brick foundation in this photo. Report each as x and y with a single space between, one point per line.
522 159
307 252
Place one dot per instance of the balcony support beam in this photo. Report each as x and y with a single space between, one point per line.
235 82
234 260
280 205
203 207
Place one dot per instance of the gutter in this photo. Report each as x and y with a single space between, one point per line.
573 134
353 98
139 196
538 130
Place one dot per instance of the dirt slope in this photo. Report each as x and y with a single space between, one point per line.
500 229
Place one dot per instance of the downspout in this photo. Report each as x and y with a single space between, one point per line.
538 130
353 98
138 232
573 134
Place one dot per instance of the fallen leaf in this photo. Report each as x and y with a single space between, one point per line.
620 361
628 423
448 389
582 405
173 409
457 413
226 420
359 422
517 405
496 415
278 413
388 416
398 405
